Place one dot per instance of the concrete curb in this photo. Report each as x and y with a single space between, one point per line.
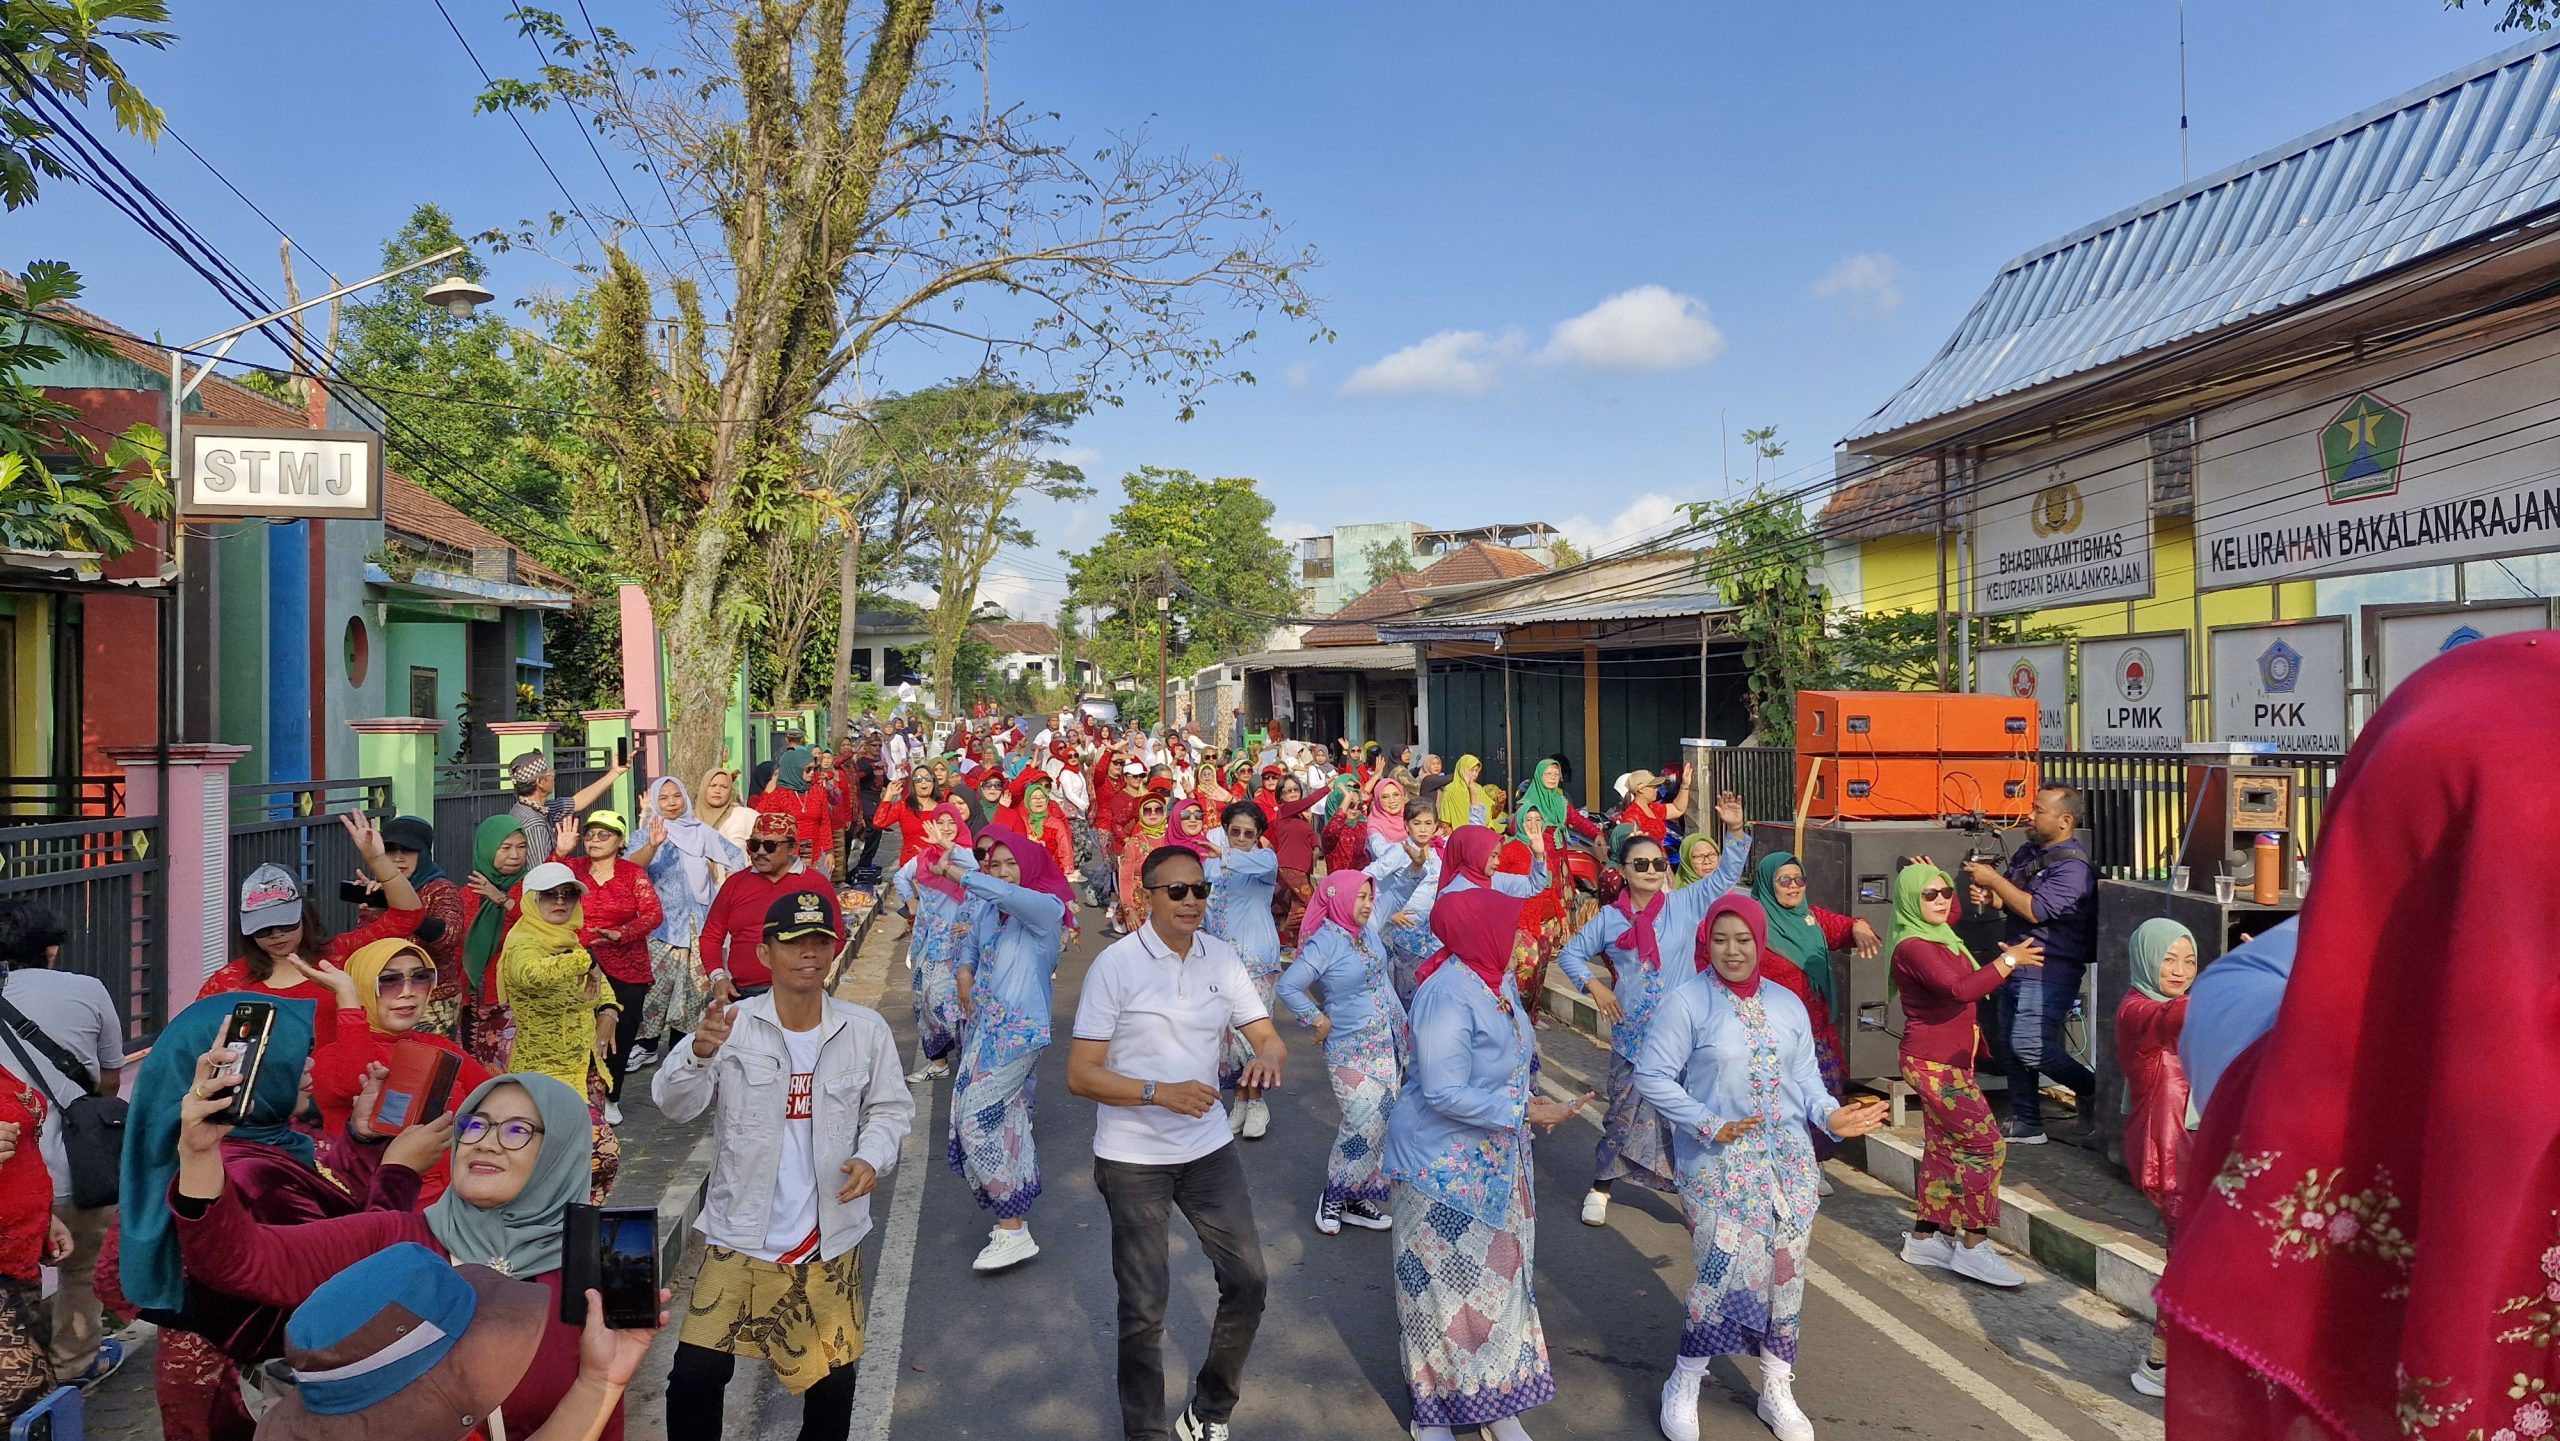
2119 1267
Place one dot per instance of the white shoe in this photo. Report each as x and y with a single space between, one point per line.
1366 1216
1822 1183
1329 1217
1778 1405
1933 1249
1235 1117
1257 1120
1679 1415
613 1113
1006 1248
1188 1427
1983 1263
1595 1208
2151 1380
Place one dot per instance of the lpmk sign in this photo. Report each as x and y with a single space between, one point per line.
283 474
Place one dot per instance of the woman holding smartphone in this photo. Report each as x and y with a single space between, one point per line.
382 1001
278 934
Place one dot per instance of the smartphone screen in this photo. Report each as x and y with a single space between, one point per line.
246 1032
627 1263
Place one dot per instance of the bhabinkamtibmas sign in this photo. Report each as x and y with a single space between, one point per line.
2041 673
2283 684
2413 463
2056 527
284 474
2133 693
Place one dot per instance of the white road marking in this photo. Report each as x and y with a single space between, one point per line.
875 1387
1971 1382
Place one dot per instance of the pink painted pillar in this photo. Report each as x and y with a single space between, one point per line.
195 842
643 688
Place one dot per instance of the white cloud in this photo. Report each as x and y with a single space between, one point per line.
1453 362
1651 327
1869 283
1299 374
1647 515
1296 530
1082 457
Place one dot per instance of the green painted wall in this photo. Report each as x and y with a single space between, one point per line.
414 638
29 619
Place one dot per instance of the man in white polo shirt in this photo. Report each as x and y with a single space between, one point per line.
1154 1009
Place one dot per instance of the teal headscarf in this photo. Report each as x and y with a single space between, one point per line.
522 1237
1549 801
2151 942
149 1268
791 768
1793 931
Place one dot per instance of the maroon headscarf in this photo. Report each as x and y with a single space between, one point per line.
1337 900
1478 927
1039 869
1469 855
1735 903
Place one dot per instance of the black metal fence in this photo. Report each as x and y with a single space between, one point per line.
104 878
466 795
2137 803
59 798
294 824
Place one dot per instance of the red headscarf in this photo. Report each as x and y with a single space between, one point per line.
2369 1226
1469 855
1337 900
1478 927
1735 903
931 855
1039 870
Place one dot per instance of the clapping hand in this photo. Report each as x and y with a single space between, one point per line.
1546 1114
1857 1118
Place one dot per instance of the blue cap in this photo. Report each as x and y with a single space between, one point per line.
377 1326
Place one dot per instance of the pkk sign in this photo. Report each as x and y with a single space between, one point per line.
2133 693
2283 683
2041 673
2381 469
244 470
2063 526
2404 640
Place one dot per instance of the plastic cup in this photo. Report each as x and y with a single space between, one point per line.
2178 878
2222 889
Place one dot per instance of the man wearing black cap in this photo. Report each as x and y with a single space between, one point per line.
812 1110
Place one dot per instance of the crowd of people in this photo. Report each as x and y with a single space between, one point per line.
261 1202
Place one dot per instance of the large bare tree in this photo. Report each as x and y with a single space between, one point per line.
865 188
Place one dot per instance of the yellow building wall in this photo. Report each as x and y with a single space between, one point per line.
29 618
1901 573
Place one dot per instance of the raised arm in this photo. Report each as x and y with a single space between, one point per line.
1039 912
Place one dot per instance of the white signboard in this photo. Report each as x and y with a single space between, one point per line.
2133 693
2057 527
2369 471
238 470
2041 673
2283 683
2403 640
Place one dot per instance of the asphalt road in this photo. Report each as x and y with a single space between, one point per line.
1887 1350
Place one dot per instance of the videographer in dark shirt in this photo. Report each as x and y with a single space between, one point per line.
2048 891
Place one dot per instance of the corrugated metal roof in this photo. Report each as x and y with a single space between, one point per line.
2415 175
1331 657
1485 623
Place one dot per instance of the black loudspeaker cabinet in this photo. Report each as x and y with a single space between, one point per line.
1849 867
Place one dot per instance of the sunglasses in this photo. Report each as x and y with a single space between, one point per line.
1937 893
761 847
565 895
1184 890
1787 883
390 981
1641 863
275 931
513 1135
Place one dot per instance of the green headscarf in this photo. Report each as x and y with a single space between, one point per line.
1689 870
2151 942
1546 799
1793 931
480 943
1909 923
522 1237
149 1267
791 769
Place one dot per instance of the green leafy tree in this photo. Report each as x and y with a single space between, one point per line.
1564 553
1761 555
2520 14
1387 557
1214 538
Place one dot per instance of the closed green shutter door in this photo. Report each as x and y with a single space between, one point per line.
1648 702
1467 712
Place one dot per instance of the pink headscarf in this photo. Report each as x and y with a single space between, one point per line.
1039 869
1735 903
931 855
1198 845
1469 854
1337 900
1387 820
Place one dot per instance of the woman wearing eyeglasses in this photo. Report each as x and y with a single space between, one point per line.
1958 1191
382 997
518 1156
1648 933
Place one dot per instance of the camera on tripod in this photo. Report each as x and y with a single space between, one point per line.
1982 839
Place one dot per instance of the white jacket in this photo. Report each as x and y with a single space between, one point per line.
859 1107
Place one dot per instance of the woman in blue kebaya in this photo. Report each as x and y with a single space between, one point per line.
1729 1063
1243 874
933 946
1458 1153
1648 933
1407 870
1362 1030
1011 936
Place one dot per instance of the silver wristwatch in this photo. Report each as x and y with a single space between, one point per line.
1147 1094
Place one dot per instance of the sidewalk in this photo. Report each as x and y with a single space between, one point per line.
2069 1208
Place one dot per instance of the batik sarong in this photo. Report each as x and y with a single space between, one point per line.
1473 1349
1961 1150
934 978
1366 1071
1635 1142
991 1105
1750 1208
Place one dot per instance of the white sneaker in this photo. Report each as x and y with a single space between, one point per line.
1679 1414
1188 1427
1235 1116
1595 1208
2151 1380
929 1071
1983 1263
1933 1249
1778 1405
613 1113
1329 1217
1257 1120
1006 1248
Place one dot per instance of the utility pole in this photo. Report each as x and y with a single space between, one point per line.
1164 630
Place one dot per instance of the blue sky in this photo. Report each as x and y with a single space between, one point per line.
1565 248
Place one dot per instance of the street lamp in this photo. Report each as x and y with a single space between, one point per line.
458 296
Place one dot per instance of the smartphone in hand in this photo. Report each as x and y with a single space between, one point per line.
251 1026
612 1250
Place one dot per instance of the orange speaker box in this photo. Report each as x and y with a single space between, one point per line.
1868 788
2003 788
1986 725
1867 722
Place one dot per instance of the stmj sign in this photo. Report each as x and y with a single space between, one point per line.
285 474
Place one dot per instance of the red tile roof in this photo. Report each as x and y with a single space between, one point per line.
1480 562
1016 637
1475 563
1897 500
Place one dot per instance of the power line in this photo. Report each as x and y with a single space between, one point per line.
518 122
675 212
633 211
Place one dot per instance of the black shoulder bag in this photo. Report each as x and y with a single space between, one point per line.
92 1125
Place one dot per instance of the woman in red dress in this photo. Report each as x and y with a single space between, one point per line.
277 932
382 999
2148 1023
621 909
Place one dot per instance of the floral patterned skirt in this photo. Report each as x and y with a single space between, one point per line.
1961 1150
1235 1050
1407 948
1364 1068
1748 1296
933 983
1635 1142
489 1034
992 1097
1474 1351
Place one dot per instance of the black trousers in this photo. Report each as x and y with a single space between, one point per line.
1210 1192
626 1030
698 1383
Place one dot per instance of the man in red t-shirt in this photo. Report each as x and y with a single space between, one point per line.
735 925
